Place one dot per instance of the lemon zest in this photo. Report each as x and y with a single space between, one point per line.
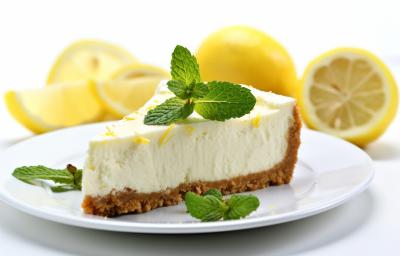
129 118
189 129
164 137
109 132
255 122
141 140
151 107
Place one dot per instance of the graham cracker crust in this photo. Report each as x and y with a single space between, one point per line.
128 201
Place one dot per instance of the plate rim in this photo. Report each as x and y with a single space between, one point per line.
185 228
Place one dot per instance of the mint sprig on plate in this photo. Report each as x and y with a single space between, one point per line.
66 179
213 100
212 206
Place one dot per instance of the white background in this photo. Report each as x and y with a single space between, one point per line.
32 33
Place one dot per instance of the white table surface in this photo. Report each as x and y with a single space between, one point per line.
33 32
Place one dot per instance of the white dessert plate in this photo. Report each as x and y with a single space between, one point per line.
329 172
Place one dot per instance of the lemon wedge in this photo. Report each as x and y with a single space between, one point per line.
50 108
129 88
122 97
139 70
349 93
88 59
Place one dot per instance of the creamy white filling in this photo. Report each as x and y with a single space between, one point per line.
154 158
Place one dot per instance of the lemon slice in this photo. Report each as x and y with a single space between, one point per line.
88 59
49 108
139 70
349 93
122 97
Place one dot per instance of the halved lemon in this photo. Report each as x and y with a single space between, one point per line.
139 70
88 59
349 93
122 97
50 108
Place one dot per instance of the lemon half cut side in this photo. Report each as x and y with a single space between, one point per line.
350 93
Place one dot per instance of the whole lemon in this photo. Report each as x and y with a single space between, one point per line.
245 55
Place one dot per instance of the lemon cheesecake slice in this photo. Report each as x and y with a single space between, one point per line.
134 167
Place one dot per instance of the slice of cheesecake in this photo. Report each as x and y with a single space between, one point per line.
135 167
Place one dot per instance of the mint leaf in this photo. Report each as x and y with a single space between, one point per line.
180 89
214 192
29 174
205 208
240 206
184 66
172 110
224 101
199 90
70 178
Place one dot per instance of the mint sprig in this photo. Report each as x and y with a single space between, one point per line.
212 207
66 179
213 100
